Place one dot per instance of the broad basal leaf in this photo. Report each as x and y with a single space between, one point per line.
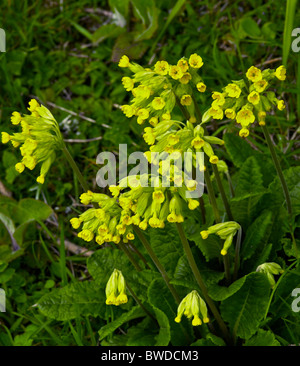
245 309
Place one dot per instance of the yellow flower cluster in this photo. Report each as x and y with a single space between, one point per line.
155 90
225 230
38 141
250 100
115 289
108 223
154 205
193 306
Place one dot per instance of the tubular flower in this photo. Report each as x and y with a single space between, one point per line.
38 141
225 231
193 306
246 100
270 269
115 289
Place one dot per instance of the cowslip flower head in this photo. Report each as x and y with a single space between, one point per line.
270 269
225 231
39 140
157 88
115 289
193 306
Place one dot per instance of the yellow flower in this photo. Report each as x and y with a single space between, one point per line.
219 99
245 117
158 103
20 167
158 196
197 142
183 64
254 74
33 105
153 121
124 61
16 118
185 78
213 159
115 190
216 113
128 110
175 72
41 179
280 105
75 222
130 236
260 85
193 204
195 61
244 132
161 67
201 87
233 91
29 162
149 136
204 234
186 100
5 137
230 113
115 289
86 235
143 113
192 306
261 118
128 83
280 73
254 97
173 139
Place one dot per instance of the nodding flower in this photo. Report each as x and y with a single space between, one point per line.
39 140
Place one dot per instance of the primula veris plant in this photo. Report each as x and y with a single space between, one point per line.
147 223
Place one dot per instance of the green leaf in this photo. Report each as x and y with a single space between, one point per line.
31 209
238 149
107 31
220 293
245 309
167 246
292 177
256 235
250 27
262 338
71 301
133 313
248 192
164 336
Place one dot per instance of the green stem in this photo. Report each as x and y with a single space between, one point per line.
211 195
129 255
75 168
237 254
278 169
222 192
156 262
200 281
137 300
